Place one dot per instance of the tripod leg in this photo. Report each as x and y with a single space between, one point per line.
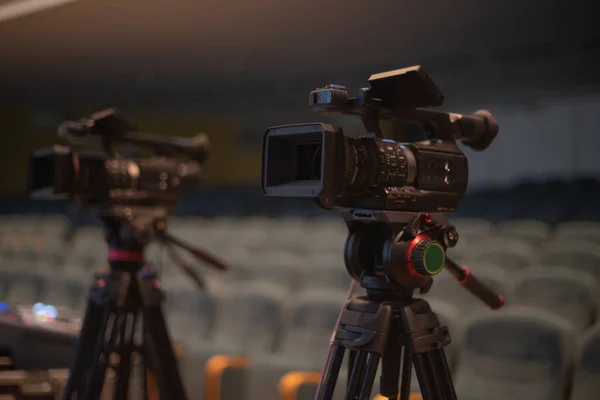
125 350
91 331
406 374
390 363
356 375
369 376
426 340
97 372
332 372
363 329
157 336
144 364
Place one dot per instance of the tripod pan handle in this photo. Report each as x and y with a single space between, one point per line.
473 285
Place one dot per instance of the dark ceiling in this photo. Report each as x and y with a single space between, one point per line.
202 51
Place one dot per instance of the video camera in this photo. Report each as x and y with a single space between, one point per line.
371 172
100 176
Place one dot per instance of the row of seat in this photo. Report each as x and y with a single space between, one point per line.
512 254
572 293
301 235
303 339
26 282
518 353
242 319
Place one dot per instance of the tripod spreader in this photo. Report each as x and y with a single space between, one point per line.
474 286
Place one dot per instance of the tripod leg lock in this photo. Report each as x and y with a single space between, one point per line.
109 288
364 326
436 339
152 295
423 327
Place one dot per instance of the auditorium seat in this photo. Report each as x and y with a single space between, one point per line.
446 288
586 385
25 287
531 230
576 254
518 353
248 318
89 256
190 314
4 282
508 253
572 295
12 244
334 277
308 327
577 230
283 275
472 227
64 292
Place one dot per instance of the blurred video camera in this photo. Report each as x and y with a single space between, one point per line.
371 172
106 169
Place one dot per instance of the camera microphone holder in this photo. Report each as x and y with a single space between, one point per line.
111 333
392 254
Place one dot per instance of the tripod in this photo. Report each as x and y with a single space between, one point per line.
112 333
392 254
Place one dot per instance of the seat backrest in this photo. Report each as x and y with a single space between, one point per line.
578 254
190 313
571 295
586 385
518 353
532 230
62 292
446 288
281 275
472 226
576 230
509 253
326 277
249 316
25 288
310 323
4 283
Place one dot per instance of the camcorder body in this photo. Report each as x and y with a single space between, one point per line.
99 177
371 172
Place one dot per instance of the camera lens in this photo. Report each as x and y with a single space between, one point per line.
308 159
371 162
316 161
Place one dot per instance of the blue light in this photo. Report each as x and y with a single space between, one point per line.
37 308
50 312
3 308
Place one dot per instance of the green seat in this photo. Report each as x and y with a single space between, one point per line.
572 295
305 342
518 353
579 255
586 385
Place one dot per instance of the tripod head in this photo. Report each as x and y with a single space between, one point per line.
127 239
132 194
396 253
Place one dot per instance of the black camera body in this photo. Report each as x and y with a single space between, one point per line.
99 177
371 172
